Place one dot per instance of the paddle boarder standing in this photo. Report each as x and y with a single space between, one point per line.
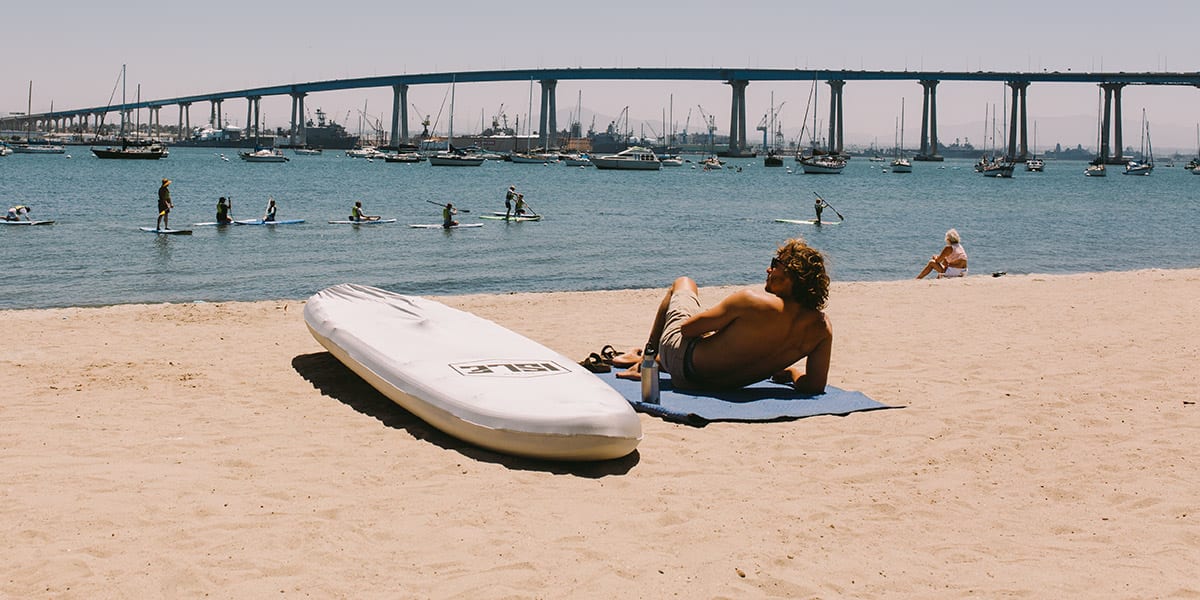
819 205
270 214
164 205
508 199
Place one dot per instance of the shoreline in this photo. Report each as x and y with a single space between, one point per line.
1044 449
447 297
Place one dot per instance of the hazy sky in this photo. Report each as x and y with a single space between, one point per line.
73 51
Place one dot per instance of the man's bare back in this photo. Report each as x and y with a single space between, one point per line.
756 335
750 335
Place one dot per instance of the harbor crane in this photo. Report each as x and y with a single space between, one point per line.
768 123
424 121
497 119
711 124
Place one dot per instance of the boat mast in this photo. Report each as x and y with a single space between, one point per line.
528 119
450 138
122 134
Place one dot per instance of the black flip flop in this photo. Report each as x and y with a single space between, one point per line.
595 364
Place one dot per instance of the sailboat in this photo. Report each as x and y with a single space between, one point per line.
772 159
29 147
133 150
453 157
1000 166
528 156
818 162
1146 165
901 164
1034 164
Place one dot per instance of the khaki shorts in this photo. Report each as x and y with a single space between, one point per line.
672 346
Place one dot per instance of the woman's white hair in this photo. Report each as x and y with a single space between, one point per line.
952 236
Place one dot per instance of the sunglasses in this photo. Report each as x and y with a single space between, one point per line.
776 263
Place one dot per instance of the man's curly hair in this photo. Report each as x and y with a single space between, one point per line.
806 266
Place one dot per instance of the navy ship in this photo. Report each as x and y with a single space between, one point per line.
327 134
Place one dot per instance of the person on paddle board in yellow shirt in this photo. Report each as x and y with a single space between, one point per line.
356 213
448 212
15 213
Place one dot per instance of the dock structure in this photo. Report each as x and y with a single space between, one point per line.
1111 84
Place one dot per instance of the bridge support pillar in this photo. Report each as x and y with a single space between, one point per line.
296 135
399 115
1112 125
737 117
929 139
185 122
1017 123
548 121
835 116
251 119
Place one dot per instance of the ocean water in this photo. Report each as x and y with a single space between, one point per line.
602 229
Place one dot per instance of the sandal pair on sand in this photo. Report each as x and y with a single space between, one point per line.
608 357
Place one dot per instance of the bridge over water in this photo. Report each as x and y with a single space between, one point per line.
738 79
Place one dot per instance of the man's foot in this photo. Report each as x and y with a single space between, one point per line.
633 373
629 358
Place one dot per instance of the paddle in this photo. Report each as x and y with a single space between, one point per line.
461 210
829 205
531 211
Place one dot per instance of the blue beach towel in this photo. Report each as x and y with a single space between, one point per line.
762 401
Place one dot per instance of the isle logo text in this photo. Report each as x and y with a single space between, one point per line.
509 368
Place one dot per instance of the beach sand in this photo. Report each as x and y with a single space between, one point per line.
1046 448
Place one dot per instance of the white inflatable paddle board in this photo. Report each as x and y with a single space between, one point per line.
472 378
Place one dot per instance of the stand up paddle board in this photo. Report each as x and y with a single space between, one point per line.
349 222
211 224
26 222
440 226
501 217
167 231
807 221
472 378
262 222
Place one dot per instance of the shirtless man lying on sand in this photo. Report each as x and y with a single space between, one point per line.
752 334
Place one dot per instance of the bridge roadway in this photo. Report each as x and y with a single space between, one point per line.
738 79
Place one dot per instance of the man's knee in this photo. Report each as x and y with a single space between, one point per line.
683 283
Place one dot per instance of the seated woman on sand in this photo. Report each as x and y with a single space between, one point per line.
952 262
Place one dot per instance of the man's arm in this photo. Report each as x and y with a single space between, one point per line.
815 376
717 317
